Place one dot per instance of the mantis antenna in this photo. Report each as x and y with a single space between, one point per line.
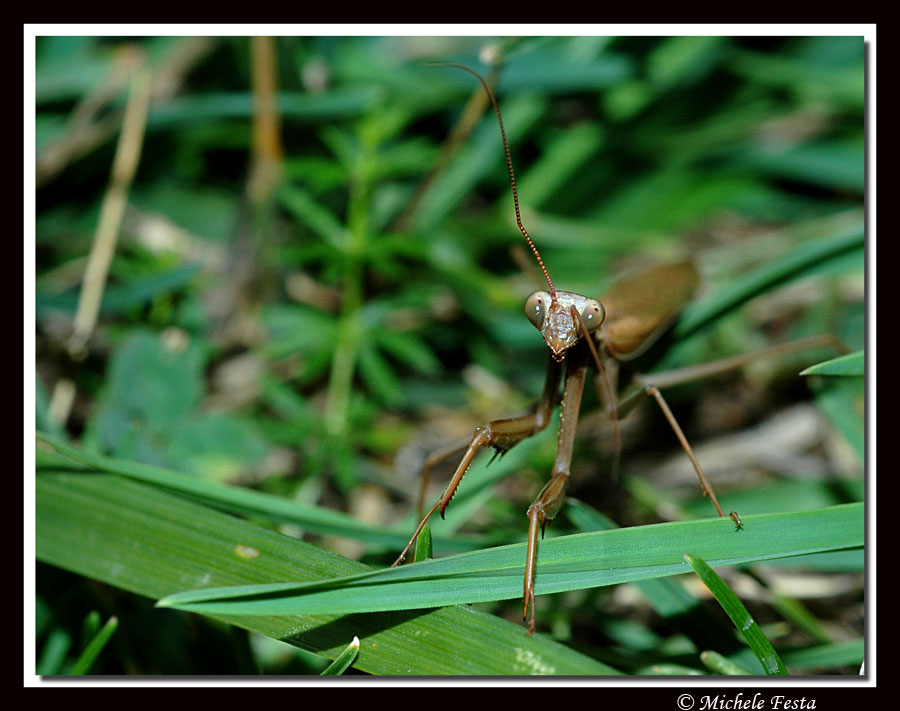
512 174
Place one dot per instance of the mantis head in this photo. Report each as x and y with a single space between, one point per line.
556 315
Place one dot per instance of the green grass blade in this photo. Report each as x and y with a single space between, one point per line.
795 612
152 542
850 364
742 620
87 658
242 500
216 106
670 670
343 660
53 654
827 656
480 157
842 401
118 298
801 261
668 597
722 665
423 548
565 563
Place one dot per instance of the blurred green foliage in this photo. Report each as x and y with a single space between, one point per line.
305 337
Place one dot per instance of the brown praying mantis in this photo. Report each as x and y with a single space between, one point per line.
579 331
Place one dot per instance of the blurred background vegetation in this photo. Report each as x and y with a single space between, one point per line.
312 282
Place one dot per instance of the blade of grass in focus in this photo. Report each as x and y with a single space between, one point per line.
565 563
152 542
742 620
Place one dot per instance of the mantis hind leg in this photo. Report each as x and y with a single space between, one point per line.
650 387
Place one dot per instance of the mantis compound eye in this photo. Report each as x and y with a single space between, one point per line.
593 314
536 307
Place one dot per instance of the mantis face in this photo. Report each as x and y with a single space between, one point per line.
555 317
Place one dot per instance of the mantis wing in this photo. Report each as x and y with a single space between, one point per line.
641 306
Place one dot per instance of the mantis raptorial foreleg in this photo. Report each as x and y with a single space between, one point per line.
549 501
501 435
504 431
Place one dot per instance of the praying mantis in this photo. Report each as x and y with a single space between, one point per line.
580 331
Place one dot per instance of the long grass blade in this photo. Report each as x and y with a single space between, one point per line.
150 541
742 619
850 364
343 660
239 499
87 658
565 563
798 263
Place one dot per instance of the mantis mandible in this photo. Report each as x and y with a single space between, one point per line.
577 331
